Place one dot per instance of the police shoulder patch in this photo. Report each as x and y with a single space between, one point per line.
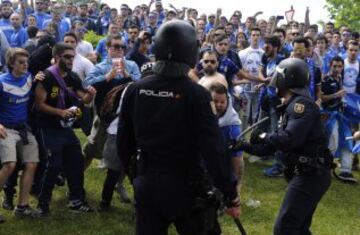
299 108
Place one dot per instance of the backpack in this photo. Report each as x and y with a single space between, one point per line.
110 104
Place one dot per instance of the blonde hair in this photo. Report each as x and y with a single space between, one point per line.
12 54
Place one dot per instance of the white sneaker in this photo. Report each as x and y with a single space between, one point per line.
253 159
124 197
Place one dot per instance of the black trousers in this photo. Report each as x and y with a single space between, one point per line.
303 194
164 199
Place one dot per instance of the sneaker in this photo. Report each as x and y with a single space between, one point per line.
124 197
101 164
347 177
42 210
2 219
7 203
23 211
81 207
273 172
254 158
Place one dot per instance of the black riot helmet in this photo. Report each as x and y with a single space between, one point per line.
292 74
176 41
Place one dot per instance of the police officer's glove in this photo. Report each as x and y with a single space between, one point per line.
257 137
240 145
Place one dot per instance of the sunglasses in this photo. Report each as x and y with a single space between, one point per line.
68 57
209 61
295 34
118 47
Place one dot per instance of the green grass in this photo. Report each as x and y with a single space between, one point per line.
337 214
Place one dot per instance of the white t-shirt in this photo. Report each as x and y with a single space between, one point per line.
84 48
251 60
351 74
82 66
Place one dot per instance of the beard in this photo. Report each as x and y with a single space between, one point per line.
6 15
63 66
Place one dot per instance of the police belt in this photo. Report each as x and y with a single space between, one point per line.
22 129
308 164
151 163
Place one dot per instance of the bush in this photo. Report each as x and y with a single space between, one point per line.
93 38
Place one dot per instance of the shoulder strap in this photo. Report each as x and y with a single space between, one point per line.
54 70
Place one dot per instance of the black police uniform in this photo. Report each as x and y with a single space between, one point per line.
303 142
167 119
170 120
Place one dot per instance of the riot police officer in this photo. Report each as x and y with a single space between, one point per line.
168 121
302 140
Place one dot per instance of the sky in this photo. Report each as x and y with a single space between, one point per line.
268 7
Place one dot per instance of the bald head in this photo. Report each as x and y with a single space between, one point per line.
15 20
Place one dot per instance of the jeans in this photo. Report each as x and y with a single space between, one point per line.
64 153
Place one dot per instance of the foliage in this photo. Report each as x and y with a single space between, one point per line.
345 12
93 38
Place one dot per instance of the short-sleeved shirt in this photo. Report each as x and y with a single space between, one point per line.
231 133
52 89
285 50
351 76
330 86
14 98
326 61
269 65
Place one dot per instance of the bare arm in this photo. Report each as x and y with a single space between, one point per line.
88 96
193 75
243 74
307 19
217 19
330 97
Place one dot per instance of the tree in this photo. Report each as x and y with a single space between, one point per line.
345 12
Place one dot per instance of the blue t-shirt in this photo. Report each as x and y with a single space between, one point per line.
231 133
208 27
101 49
18 37
7 28
63 27
286 50
40 18
326 61
14 98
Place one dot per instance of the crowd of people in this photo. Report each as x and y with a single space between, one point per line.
53 81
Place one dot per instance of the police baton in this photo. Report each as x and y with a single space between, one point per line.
240 226
250 128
